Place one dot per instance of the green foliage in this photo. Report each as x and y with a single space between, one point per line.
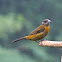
9 25
12 55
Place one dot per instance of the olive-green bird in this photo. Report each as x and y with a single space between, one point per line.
39 33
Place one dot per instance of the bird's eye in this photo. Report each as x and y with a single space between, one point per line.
45 21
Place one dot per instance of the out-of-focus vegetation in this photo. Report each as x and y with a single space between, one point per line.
18 18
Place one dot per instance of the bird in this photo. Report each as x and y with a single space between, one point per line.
39 33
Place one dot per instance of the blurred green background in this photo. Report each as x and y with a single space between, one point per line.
18 18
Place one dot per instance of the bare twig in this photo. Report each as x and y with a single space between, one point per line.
50 43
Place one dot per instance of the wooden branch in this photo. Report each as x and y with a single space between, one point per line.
50 43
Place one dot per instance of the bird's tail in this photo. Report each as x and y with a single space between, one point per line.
19 39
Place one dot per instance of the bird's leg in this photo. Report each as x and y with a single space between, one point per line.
38 41
43 39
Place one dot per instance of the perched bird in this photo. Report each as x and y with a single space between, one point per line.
39 33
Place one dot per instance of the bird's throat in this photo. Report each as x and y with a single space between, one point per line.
46 30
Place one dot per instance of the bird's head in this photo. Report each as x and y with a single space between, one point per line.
46 22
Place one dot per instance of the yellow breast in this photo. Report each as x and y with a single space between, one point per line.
46 29
38 36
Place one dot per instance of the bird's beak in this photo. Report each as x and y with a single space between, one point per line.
49 21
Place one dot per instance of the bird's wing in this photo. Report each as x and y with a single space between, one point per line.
38 30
